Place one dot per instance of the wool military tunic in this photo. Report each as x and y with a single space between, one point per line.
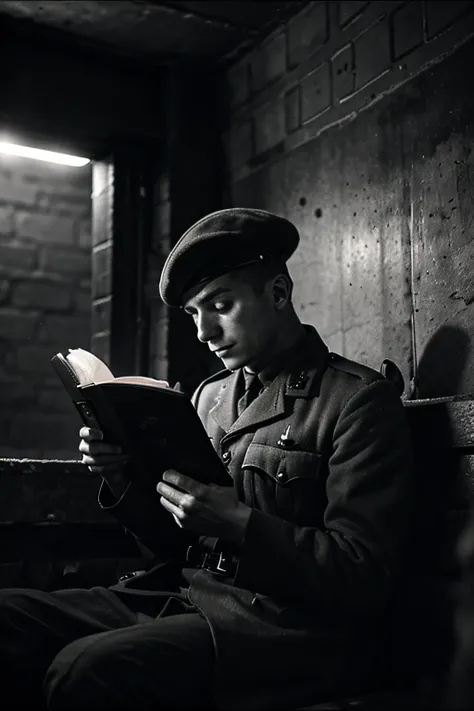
323 458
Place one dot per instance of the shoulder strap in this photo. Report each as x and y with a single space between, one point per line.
363 372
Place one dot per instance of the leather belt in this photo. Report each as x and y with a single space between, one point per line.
215 562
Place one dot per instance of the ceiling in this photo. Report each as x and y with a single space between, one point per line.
157 32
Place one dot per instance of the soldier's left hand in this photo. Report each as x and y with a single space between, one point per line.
209 510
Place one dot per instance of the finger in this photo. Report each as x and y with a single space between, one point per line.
104 460
94 448
175 510
185 502
170 493
104 471
184 482
90 434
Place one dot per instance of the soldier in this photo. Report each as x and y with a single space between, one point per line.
274 591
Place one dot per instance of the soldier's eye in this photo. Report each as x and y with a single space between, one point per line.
222 306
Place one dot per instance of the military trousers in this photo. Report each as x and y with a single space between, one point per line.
100 649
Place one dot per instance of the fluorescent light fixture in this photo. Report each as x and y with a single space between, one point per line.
13 149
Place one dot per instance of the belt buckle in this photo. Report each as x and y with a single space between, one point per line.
220 563
214 562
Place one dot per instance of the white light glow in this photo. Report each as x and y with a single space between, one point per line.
13 149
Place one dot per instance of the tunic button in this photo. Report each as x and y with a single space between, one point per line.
281 476
226 456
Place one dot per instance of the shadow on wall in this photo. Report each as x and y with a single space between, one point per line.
442 365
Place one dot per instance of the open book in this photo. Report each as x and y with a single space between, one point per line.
154 424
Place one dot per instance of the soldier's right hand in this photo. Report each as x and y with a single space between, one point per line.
104 459
101 458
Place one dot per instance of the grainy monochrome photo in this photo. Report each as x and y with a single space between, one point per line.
236 355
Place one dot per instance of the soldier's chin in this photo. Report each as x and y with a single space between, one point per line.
232 361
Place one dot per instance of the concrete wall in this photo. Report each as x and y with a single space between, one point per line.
45 302
355 121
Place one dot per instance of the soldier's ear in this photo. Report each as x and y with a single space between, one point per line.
281 291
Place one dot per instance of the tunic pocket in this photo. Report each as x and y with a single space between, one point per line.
294 478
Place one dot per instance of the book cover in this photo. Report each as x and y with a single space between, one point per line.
154 424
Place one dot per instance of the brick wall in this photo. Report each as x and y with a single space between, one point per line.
102 253
354 120
45 302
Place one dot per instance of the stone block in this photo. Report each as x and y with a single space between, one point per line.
268 62
15 256
316 92
240 144
350 10
292 109
61 178
238 83
308 31
17 393
52 400
84 233
441 15
101 315
72 331
68 262
16 325
372 53
269 125
5 288
44 432
32 359
343 80
41 294
44 227
407 28
102 271
13 189
102 178
75 205
82 300
7 222
100 346
79 179
101 218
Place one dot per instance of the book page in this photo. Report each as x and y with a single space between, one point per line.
88 367
138 380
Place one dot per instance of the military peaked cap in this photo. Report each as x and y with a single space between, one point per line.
221 242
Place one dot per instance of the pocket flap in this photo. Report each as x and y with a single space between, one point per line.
283 465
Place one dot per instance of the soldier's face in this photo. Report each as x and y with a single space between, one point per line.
239 325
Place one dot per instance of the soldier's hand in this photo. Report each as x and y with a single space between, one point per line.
106 460
209 510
